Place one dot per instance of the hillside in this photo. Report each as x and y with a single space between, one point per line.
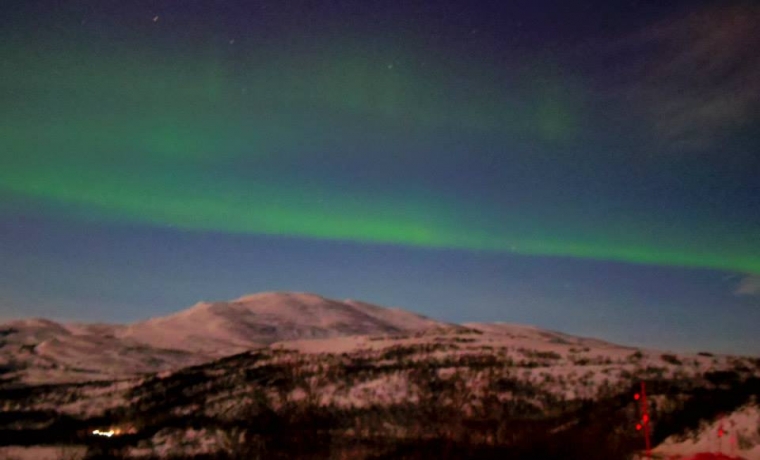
40 351
224 328
327 379
447 392
43 351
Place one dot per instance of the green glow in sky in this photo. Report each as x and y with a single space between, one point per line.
330 146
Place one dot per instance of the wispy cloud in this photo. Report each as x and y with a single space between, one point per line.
749 285
695 76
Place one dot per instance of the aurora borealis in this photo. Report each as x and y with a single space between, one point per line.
609 132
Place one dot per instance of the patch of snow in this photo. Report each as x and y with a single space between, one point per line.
736 434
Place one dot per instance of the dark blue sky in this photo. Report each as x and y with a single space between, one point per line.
588 167
70 269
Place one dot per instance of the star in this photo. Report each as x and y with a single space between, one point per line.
155 18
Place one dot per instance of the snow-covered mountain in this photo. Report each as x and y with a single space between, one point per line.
480 383
223 328
191 382
39 350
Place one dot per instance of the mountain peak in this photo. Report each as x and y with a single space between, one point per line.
254 320
280 295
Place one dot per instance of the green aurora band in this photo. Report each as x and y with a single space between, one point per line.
218 145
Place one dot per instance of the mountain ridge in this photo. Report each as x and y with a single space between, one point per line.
40 350
357 359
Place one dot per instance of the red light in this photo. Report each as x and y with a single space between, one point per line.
645 418
638 427
636 396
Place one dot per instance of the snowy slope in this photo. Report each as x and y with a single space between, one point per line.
347 355
736 434
532 333
400 319
43 351
362 372
224 328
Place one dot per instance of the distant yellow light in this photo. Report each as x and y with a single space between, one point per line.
108 433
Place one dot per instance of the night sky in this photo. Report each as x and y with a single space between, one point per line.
592 167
